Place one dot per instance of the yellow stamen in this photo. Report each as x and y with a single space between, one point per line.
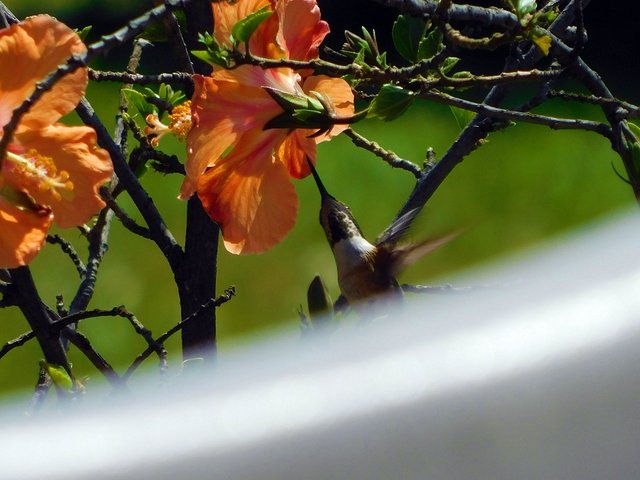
36 171
181 120
179 124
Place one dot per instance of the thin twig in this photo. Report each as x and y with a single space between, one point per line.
83 344
388 156
128 222
480 126
139 79
67 248
491 17
120 311
16 342
159 231
516 116
633 110
213 303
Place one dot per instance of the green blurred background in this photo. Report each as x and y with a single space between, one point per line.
526 184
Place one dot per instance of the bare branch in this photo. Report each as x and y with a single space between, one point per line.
83 344
459 13
213 303
129 223
138 79
633 111
512 115
159 231
16 342
388 156
67 248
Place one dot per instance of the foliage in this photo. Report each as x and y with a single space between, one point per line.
408 97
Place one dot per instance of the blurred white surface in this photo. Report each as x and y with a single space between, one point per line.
536 378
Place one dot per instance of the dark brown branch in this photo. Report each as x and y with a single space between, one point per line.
388 156
211 304
16 342
127 221
533 75
138 79
516 116
159 231
67 248
493 17
633 111
38 317
83 344
621 135
196 279
480 126
120 311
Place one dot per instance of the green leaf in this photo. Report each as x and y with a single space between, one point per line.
167 94
525 6
449 63
220 58
58 375
635 129
407 33
391 102
214 54
463 117
242 31
310 117
430 45
364 49
139 101
84 32
289 102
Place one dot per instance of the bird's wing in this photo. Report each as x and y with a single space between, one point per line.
394 232
404 255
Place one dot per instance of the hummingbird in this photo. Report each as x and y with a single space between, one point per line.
367 271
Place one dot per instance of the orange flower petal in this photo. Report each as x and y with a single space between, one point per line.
262 42
29 52
224 106
295 150
73 149
250 195
301 30
341 96
22 234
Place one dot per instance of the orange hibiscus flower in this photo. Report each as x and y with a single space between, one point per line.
240 171
50 172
